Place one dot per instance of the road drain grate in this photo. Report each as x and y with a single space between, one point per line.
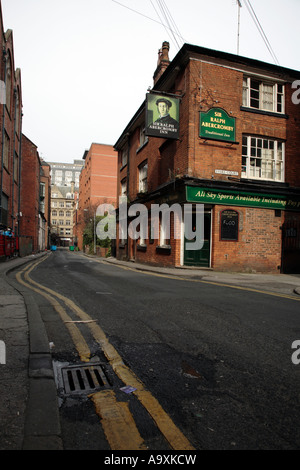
84 378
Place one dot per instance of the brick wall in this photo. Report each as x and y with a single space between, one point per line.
12 128
30 182
98 184
258 248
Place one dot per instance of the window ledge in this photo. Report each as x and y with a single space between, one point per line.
265 113
142 194
142 146
142 248
262 180
166 249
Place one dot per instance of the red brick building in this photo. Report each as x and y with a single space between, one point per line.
10 135
235 152
98 185
35 196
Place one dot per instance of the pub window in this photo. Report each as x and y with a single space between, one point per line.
124 156
262 158
124 187
143 176
164 239
143 137
263 95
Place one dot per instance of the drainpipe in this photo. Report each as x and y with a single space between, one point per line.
4 53
13 172
19 176
128 186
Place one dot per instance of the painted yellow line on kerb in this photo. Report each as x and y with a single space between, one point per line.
118 424
81 345
173 435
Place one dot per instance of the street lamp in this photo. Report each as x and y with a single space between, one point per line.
86 210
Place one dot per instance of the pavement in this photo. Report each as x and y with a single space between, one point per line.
29 407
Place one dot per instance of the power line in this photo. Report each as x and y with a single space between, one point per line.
169 21
145 16
260 29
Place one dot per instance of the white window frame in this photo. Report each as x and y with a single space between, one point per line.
263 158
143 137
164 230
124 187
124 156
278 95
143 177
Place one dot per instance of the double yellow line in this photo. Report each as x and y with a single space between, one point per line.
117 421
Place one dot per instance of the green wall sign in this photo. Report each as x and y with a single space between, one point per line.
217 125
241 198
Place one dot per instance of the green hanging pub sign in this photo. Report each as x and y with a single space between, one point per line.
216 124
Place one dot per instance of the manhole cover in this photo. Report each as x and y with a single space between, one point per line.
84 378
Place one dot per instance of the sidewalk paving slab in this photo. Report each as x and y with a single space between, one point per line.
29 406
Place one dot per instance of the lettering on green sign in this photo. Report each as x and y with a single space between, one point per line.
217 125
266 201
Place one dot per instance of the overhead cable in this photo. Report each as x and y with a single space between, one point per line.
260 29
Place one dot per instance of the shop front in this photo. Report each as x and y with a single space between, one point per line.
246 231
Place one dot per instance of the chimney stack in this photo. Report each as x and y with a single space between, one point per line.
163 61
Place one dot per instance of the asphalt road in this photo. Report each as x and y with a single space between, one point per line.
217 360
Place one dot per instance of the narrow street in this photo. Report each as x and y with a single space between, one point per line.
209 367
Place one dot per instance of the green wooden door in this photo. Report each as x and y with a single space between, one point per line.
200 257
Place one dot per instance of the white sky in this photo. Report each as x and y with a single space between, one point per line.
86 65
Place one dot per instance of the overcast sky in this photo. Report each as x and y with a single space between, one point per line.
86 65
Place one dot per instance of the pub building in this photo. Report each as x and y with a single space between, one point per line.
222 131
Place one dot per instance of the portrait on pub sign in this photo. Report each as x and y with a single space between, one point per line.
162 116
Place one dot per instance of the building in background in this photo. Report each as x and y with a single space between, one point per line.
234 151
98 185
11 132
64 191
62 208
63 174
34 199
